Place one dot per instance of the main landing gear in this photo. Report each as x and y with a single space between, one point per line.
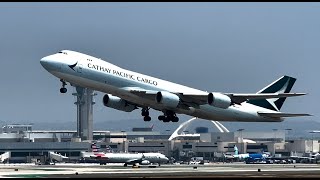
145 113
169 116
63 89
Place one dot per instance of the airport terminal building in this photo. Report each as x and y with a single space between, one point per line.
21 144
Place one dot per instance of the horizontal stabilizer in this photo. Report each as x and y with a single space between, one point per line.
279 115
239 98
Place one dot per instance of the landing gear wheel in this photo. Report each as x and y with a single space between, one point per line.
147 118
175 119
169 116
166 119
144 112
63 90
161 118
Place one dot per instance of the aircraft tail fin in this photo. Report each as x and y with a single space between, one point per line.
281 85
94 148
109 149
236 152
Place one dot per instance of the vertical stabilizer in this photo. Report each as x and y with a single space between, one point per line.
281 85
236 152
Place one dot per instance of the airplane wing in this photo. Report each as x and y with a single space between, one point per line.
148 94
239 98
132 161
187 100
279 115
195 100
201 99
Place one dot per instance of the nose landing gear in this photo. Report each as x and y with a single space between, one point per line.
145 113
63 89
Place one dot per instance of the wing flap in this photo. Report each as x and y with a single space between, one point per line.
280 115
239 98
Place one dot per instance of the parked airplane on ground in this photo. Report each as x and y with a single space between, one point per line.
247 156
126 158
127 90
136 158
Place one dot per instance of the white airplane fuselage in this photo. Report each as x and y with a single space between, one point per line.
96 74
128 158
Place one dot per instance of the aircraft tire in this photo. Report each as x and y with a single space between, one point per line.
147 118
166 119
175 119
161 118
63 90
144 112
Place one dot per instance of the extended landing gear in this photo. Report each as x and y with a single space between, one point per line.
169 116
63 89
145 113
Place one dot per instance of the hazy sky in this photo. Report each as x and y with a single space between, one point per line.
227 47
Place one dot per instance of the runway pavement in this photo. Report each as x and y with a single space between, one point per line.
228 170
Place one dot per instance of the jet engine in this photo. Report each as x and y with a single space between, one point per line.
168 99
219 100
117 103
145 162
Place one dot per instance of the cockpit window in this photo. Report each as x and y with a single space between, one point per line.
63 53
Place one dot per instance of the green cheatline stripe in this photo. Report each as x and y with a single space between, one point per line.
28 175
50 169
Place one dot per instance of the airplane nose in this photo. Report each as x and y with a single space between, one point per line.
48 62
44 62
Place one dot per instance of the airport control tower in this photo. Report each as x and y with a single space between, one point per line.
84 104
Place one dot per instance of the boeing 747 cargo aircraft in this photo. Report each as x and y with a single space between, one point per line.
127 90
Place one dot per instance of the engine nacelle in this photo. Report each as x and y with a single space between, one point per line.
219 100
168 99
117 103
145 162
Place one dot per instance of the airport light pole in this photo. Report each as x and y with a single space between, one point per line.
274 144
168 130
312 132
275 131
241 140
287 130
123 140
240 131
30 130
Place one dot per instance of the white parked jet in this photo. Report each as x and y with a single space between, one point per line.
127 90
138 158
126 158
